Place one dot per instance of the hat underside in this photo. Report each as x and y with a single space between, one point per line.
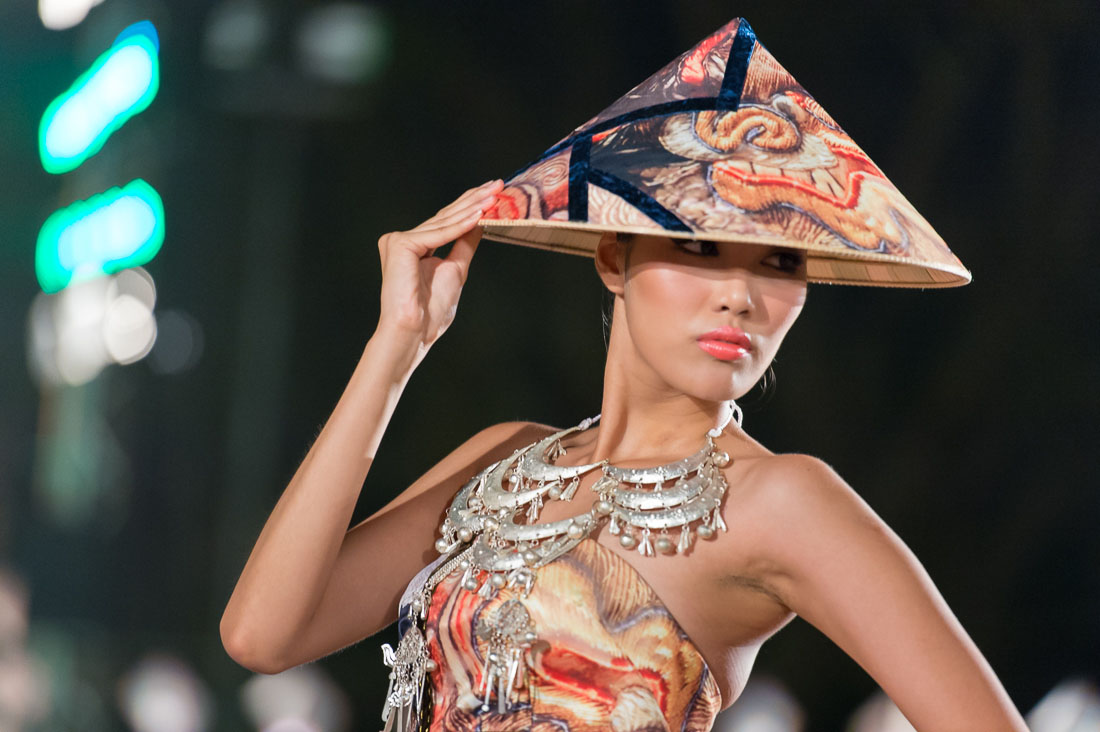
822 266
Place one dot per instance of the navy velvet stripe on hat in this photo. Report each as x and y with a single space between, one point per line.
581 173
578 179
737 66
646 204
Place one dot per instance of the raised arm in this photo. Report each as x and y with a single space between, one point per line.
841 568
310 586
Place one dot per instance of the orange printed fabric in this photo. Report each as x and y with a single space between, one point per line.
609 655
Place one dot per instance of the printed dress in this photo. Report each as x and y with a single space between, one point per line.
609 654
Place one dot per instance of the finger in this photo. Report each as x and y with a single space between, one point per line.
463 251
482 200
425 242
474 207
484 190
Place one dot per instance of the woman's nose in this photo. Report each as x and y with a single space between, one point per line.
735 293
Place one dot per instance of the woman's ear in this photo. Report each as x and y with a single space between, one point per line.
611 263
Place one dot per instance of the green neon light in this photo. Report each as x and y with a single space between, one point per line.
120 84
111 231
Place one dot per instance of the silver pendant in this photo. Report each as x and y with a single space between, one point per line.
507 635
409 664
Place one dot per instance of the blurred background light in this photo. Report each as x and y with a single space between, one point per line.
343 42
302 699
764 706
75 333
236 34
179 343
66 343
120 84
22 690
129 328
120 228
163 694
878 714
62 14
1071 706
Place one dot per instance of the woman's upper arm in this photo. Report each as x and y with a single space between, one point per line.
381 554
844 571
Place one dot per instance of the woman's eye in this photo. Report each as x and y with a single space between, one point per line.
786 261
702 248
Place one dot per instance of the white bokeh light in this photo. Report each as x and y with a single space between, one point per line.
62 14
162 694
75 333
302 699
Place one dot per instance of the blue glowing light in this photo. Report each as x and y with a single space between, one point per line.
120 84
116 229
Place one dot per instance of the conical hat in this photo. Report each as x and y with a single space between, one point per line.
723 144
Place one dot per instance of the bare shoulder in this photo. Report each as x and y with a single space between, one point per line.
483 448
508 433
795 484
497 441
799 512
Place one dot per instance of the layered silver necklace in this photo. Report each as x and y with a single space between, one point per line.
481 535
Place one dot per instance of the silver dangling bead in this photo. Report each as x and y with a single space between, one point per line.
470 584
603 507
465 535
614 526
685 539
530 637
663 545
442 545
575 531
530 557
498 580
555 491
705 532
721 458
430 666
627 541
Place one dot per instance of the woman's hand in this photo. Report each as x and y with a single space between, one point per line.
420 291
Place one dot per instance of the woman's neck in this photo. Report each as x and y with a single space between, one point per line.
643 419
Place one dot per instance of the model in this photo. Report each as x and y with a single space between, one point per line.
623 573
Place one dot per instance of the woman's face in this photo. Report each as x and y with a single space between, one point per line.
707 318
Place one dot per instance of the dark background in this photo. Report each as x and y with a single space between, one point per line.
967 418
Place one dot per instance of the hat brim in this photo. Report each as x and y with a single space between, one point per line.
824 265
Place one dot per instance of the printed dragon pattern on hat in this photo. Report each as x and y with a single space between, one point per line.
723 144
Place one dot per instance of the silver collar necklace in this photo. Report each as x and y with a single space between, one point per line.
640 505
